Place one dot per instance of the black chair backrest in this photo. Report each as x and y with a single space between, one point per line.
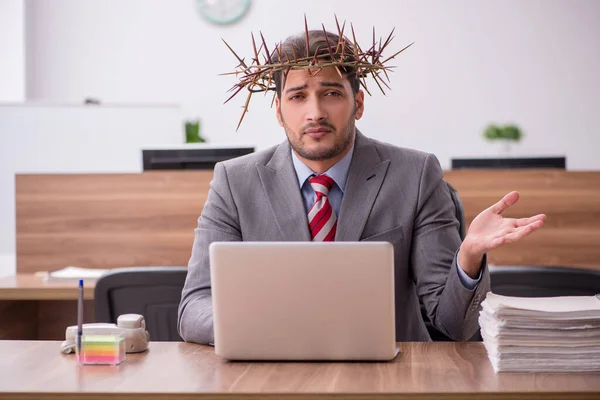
543 281
458 208
153 292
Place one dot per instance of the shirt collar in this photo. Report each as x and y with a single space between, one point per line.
338 172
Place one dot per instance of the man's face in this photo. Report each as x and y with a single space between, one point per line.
318 112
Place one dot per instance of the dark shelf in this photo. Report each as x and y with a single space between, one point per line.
533 162
173 159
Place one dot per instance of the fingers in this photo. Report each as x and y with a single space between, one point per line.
526 221
517 230
523 231
506 202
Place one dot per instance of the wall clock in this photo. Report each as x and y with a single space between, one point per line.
223 12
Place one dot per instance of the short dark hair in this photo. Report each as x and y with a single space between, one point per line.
321 44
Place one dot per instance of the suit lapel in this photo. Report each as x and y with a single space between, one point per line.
366 174
280 183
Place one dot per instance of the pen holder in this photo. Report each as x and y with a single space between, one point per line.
101 349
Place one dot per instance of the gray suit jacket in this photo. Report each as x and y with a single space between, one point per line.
392 194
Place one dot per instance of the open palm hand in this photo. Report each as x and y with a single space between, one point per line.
490 230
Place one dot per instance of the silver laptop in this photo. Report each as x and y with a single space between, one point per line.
303 300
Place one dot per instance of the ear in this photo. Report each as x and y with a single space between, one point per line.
278 111
360 104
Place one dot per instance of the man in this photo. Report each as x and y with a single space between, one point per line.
329 181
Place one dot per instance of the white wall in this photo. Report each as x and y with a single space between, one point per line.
12 50
74 139
532 62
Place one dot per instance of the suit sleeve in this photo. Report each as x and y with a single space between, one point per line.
452 308
218 222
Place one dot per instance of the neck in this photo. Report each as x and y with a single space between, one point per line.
320 166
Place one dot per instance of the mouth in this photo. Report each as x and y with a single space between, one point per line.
317 133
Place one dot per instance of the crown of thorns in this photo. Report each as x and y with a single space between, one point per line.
258 75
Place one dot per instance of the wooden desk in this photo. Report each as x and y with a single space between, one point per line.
36 370
31 308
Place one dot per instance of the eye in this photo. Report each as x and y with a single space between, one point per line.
295 97
333 93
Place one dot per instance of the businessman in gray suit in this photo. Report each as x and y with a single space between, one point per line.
328 181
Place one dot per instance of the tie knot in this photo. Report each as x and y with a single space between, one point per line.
321 184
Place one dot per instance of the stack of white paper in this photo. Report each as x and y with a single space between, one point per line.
541 334
75 273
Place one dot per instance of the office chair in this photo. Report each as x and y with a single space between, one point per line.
460 216
458 208
544 281
153 292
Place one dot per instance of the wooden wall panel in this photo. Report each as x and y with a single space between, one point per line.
107 220
571 234
116 220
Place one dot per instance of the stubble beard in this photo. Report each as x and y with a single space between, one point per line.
321 154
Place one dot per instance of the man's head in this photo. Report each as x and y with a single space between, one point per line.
314 50
317 106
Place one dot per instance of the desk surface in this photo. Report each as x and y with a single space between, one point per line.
35 287
36 369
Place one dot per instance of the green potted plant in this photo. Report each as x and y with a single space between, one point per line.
192 132
506 134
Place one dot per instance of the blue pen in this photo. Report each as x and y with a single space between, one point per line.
79 318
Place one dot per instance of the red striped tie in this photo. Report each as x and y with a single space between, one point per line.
321 217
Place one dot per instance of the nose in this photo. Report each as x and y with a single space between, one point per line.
315 111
